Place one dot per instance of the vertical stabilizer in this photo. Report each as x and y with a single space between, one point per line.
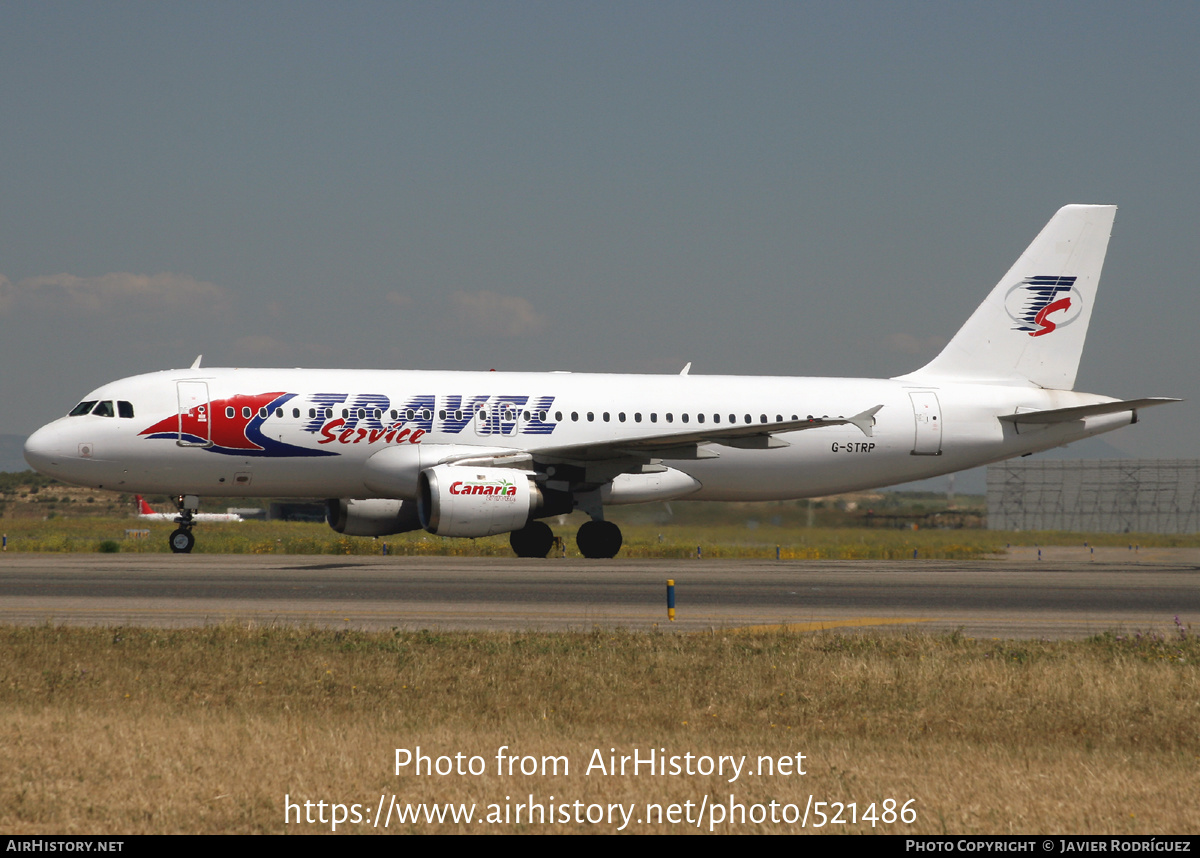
1032 326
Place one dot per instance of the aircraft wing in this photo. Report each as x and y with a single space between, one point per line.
626 455
688 443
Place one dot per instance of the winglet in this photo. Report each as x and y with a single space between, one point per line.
865 420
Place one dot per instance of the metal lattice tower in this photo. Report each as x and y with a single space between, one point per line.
1096 496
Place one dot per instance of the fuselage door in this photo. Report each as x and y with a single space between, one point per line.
482 421
927 414
195 421
509 414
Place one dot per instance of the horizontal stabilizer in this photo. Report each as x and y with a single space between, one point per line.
1078 412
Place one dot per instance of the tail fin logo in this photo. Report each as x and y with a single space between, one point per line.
1032 302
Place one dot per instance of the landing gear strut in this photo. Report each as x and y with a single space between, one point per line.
598 539
532 540
181 539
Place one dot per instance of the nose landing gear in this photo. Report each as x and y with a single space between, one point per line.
181 539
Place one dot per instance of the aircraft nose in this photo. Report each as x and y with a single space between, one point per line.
44 450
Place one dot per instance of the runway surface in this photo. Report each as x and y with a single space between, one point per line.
1067 593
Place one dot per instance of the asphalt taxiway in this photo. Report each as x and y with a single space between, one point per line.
1064 593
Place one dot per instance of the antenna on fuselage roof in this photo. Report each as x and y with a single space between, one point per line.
687 368
196 362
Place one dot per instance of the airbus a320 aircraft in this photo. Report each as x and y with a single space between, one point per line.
468 454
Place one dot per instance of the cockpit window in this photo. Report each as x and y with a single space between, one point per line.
124 409
103 408
84 407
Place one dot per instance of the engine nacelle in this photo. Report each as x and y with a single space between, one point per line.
374 517
460 500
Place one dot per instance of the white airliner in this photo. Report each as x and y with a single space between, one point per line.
470 454
147 513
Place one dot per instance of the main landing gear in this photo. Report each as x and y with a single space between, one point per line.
533 540
596 539
181 539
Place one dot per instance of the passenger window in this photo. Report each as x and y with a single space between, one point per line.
670 417
653 417
716 418
762 418
637 417
591 417
574 416
262 414
684 418
296 413
621 416
124 409
699 418
84 407
605 416
558 417
278 412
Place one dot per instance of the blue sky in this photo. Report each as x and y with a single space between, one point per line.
758 188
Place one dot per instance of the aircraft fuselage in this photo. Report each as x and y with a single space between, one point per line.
310 433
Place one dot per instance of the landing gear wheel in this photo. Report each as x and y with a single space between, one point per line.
181 541
532 540
598 539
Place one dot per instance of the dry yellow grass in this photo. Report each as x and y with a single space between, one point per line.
206 730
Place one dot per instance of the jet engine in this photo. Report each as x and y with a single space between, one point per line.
373 517
461 500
